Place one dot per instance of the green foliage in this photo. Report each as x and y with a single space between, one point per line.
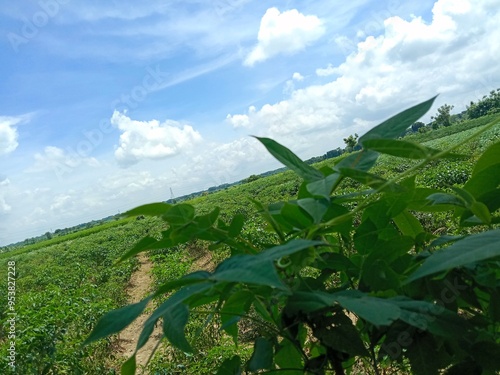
347 276
487 105
62 291
443 116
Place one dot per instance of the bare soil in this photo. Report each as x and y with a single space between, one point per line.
140 285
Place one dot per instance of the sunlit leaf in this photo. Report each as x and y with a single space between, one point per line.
396 125
292 161
152 209
116 320
471 249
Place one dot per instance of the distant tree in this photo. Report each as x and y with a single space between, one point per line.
48 235
333 153
416 126
443 116
251 178
351 141
487 105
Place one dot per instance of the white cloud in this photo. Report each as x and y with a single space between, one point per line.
286 32
9 134
151 139
297 76
60 162
328 71
455 55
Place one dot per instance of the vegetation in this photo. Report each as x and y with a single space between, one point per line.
62 290
447 320
350 276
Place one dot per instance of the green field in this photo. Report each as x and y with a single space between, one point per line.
64 285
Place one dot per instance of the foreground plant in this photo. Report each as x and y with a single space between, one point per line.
349 277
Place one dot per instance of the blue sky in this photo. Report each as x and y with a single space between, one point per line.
108 105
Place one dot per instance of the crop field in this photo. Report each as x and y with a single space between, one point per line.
63 286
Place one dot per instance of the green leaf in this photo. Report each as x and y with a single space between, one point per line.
174 321
249 269
399 148
147 243
230 366
396 125
471 249
484 181
287 356
192 278
116 320
262 357
361 160
404 149
408 224
433 318
488 159
341 335
445 199
422 355
378 311
296 216
235 306
236 225
152 209
371 180
179 214
316 208
323 188
129 366
292 161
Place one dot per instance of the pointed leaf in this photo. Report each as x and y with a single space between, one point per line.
235 306
404 149
375 310
471 249
292 161
421 353
399 148
489 158
316 208
408 224
147 243
296 216
396 125
371 180
236 225
116 320
231 366
129 366
174 321
262 357
152 209
180 214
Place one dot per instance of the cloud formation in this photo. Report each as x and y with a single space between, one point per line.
151 139
284 33
413 60
8 134
60 161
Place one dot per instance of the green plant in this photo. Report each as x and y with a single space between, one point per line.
345 280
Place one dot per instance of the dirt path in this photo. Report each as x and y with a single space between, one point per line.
139 286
